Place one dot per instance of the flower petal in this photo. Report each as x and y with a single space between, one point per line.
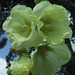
56 24
48 59
38 9
56 32
21 28
23 14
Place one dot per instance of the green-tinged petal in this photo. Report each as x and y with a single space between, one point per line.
48 59
23 14
23 28
56 24
54 13
35 38
56 32
38 9
22 66
21 42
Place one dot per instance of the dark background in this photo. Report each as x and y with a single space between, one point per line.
5 8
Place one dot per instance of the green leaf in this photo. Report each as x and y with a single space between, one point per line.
22 66
48 59
38 1
55 18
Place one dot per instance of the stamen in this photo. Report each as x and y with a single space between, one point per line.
47 26
26 27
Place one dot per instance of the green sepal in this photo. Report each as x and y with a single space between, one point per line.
22 66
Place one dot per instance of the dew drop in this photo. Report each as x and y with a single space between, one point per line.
44 40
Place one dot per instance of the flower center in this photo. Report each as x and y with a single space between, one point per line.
42 50
26 27
46 27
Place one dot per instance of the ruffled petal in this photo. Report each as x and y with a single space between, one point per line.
56 24
48 59
56 32
23 28
38 9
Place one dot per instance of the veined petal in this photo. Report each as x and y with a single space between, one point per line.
56 32
21 42
48 59
54 13
23 28
56 24
23 14
38 9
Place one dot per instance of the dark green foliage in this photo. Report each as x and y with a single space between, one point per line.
37 1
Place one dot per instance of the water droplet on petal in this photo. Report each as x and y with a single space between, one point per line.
44 40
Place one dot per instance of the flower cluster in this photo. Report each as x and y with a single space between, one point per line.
45 28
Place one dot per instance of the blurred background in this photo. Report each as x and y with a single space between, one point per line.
6 56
